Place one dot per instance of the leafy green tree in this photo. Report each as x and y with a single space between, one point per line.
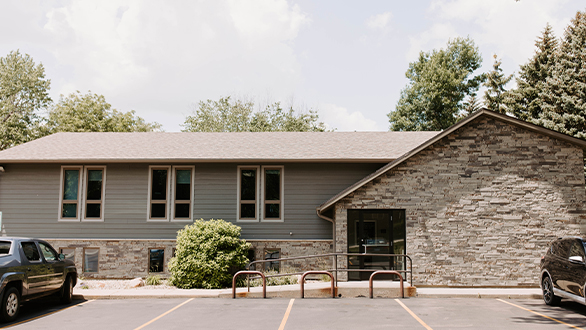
494 96
438 83
524 101
207 252
91 113
24 92
564 93
227 115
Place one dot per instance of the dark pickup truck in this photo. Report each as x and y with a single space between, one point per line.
29 269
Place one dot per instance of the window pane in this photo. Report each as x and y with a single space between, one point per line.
93 211
272 185
48 252
158 210
183 185
159 191
248 185
69 253
272 211
156 260
90 260
70 184
5 248
94 185
30 251
69 211
272 254
182 210
248 211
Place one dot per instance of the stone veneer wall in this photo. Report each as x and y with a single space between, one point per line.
482 204
128 258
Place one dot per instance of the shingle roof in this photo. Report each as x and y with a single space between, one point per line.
213 147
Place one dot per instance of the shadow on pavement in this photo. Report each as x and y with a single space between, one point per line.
39 308
568 311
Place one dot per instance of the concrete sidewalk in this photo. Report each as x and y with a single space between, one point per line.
382 289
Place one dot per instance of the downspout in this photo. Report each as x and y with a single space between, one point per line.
317 210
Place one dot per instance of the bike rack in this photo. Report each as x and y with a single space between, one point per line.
370 281
250 272
318 272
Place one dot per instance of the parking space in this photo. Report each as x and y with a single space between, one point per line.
291 314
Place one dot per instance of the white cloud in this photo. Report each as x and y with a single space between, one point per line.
342 120
434 38
380 22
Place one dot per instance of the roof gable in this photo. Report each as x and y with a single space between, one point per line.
482 112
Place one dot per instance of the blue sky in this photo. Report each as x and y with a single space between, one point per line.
346 59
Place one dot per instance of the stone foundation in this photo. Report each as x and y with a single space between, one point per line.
129 258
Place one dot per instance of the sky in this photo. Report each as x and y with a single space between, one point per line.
345 59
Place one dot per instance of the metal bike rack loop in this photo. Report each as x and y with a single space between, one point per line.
370 280
317 272
251 272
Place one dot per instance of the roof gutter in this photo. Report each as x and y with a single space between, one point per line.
318 211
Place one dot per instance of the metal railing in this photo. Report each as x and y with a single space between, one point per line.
302 280
249 272
335 270
370 280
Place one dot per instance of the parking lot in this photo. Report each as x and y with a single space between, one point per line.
348 313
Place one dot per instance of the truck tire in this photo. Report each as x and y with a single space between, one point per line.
10 304
67 290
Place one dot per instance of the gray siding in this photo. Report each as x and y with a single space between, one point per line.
29 201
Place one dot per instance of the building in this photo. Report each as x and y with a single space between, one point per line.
474 205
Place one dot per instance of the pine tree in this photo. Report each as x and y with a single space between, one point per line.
524 101
472 104
494 97
564 95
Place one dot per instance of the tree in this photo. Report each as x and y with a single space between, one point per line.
471 104
439 82
226 115
24 92
494 96
91 113
524 101
563 96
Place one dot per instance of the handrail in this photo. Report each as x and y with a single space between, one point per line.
370 280
336 269
242 272
317 272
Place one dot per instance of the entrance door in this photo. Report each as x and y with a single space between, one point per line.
379 232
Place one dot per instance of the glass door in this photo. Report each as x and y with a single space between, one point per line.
379 232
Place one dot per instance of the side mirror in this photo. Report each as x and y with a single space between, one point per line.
577 259
61 256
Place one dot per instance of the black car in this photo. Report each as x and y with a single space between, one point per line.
563 271
29 269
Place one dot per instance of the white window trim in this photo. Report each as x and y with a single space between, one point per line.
282 195
239 191
191 193
84 185
79 193
150 174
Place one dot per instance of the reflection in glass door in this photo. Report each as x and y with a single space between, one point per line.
375 231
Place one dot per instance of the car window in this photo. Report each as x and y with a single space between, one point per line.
563 248
577 250
48 252
5 248
30 251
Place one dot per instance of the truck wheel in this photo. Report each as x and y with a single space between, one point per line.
67 290
10 304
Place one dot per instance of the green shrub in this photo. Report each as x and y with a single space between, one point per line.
280 280
206 253
153 280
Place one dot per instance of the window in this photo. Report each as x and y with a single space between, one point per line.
182 192
90 260
272 185
5 248
272 254
94 193
248 193
82 193
48 253
158 192
260 193
69 253
70 188
156 260
30 251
